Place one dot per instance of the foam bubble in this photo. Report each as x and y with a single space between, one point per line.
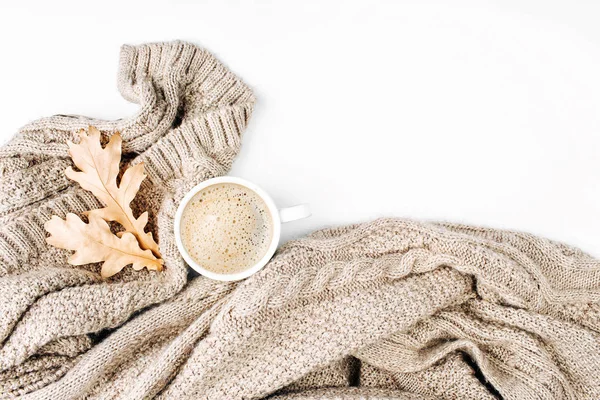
226 228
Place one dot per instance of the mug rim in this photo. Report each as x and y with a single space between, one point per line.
272 208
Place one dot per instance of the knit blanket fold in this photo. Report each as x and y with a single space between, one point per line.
192 113
388 309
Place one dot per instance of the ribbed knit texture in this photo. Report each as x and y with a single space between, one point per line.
389 309
192 113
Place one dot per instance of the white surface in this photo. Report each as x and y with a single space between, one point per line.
481 112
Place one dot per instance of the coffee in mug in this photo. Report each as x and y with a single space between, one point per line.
227 228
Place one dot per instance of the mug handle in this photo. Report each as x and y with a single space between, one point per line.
294 213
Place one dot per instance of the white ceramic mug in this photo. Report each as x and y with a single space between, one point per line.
278 217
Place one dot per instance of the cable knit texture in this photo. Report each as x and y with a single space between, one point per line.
389 309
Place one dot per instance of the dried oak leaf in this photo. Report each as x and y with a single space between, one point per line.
94 242
98 173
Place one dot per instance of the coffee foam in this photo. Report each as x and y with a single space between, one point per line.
226 228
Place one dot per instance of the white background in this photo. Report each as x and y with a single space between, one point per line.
481 112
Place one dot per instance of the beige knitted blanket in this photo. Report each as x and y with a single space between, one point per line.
390 309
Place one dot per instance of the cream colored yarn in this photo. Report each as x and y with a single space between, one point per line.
389 309
192 113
